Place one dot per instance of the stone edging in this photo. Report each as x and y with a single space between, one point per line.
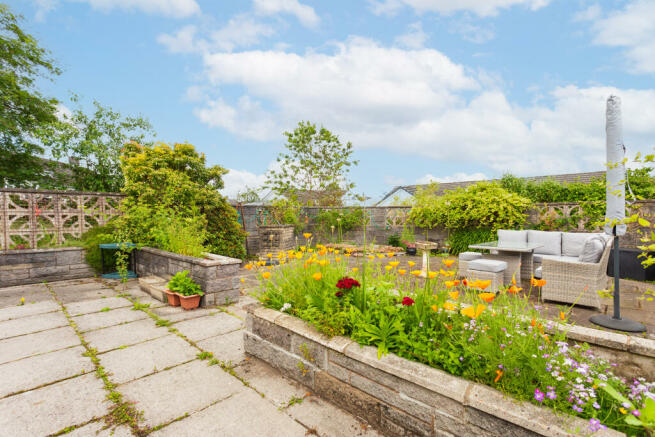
30 266
395 395
214 260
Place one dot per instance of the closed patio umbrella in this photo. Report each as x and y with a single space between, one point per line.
615 210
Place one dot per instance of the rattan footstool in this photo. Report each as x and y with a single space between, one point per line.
487 269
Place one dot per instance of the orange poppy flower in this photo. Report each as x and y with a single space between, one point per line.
456 282
465 282
432 275
394 263
434 308
355 269
448 262
390 254
449 284
453 294
337 259
537 282
387 268
411 263
416 273
499 373
473 313
449 306
381 255
371 257
514 289
483 284
402 271
317 276
533 322
266 275
248 266
306 235
487 297
562 315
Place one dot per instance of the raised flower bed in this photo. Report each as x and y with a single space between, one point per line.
499 367
29 266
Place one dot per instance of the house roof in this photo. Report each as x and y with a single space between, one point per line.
585 178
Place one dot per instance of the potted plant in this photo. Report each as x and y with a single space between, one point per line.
173 298
186 288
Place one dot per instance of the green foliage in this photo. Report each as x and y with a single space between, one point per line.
93 144
91 240
286 211
23 109
333 222
407 236
482 205
182 284
460 239
314 168
505 343
393 240
175 182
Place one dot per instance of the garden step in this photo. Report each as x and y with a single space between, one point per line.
154 286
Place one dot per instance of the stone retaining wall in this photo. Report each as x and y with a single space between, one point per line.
396 396
216 274
18 267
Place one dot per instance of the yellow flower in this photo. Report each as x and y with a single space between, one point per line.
432 275
390 254
449 273
303 248
381 255
317 276
299 255
337 259
355 269
371 257
394 263
402 271
346 254
322 252
449 284
416 273
487 297
448 262
282 262
248 266
306 235
442 272
310 250
270 255
449 306
323 263
514 289
623 410
483 284
453 294
266 275
411 263
22 300
243 281
387 268
473 313
330 249
336 252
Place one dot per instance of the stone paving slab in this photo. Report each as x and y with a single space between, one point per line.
126 334
328 420
29 324
52 408
145 358
30 298
69 296
27 345
226 347
209 326
88 322
269 381
244 414
93 306
29 373
97 429
171 393
177 314
19 290
29 309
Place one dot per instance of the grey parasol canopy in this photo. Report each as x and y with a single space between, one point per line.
615 176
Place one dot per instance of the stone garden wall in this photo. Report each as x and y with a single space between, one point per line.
216 274
18 267
394 395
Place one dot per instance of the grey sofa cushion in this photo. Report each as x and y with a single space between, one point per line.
538 272
505 237
552 242
488 265
573 242
469 256
537 259
592 249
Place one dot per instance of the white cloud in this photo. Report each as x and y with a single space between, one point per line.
632 28
42 8
169 8
240 31
237 181
414 38
419 103
457 177
479 7
471 32
305 14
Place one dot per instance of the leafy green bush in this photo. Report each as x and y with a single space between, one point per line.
91 240
460 239
482 205
339 221
393 240
182 284
286 212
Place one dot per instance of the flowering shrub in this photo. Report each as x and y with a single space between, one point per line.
498 339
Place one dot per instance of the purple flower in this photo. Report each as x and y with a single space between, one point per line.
636 413
539 395
595 425
551 395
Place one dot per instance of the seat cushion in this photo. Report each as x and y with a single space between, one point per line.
488 265
592 249
505 236
538 259
469 256
573 242
552 242
538 272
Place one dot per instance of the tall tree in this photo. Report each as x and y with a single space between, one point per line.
23 109
314 168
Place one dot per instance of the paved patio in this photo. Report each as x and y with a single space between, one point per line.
54 348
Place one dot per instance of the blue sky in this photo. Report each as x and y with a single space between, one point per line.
424 89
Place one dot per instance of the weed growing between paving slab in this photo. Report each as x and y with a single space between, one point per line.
121 412
498 339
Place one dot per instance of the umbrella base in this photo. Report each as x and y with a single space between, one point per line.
625 325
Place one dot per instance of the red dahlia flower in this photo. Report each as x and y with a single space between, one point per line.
408 301
347 283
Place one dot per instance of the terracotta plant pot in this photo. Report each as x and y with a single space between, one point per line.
190 302
173 298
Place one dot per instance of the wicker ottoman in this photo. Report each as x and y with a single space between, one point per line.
487 269
463 262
